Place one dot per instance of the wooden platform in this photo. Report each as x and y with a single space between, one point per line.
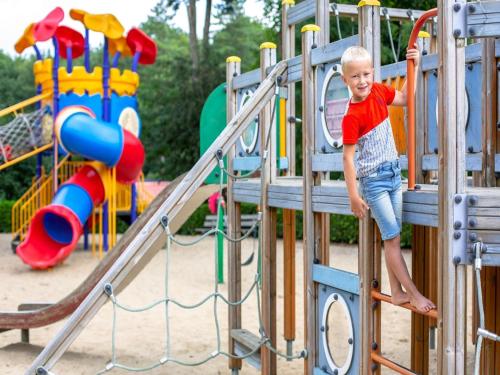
420 207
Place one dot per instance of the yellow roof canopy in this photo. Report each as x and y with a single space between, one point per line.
107 24
26 40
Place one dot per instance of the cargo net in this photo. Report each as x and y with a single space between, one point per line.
215 297
25 133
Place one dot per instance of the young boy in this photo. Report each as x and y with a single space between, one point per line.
367 125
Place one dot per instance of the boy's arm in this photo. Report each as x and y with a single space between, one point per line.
358 205
401 97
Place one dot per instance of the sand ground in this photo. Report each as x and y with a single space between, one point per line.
140 337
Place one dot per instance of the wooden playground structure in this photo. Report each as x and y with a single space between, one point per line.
452 155
450 219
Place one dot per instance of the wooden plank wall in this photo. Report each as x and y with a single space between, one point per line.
397 116
490 276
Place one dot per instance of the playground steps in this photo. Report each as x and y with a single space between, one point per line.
246 342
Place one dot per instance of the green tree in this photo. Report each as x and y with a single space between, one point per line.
17 85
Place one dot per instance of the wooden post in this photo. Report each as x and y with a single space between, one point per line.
323 21
267 126
322 220
288 51
309 38
369 255
451 277
420 260
490 276
233 68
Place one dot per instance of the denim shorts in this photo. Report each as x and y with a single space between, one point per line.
383 193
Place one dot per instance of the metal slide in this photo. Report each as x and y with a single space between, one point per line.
67 305
151 237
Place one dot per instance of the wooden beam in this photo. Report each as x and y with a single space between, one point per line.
322 17
420 254
451 278
310 35
289 223
369 251
287 52
267 128
233 69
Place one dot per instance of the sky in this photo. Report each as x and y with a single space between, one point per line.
16 15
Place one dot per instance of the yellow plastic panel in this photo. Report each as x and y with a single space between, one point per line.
80 81
42 70
125 83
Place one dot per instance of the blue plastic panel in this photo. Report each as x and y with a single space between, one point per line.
336 278
352 301
93 102
119 103
473 87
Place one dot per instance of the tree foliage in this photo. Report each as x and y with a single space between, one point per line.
173 91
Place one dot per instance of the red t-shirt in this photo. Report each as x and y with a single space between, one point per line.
364 116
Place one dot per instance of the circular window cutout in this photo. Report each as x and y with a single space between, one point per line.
129 120
335 99
466 110
337 334
248 139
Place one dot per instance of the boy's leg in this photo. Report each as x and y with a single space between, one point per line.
398 295
396 263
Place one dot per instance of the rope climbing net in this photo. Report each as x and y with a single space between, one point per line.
25 133
214 297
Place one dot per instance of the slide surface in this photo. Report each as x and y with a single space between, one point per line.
53 313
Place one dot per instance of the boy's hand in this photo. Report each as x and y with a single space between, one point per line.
359 207
413 54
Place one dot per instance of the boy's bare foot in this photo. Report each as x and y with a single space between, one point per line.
421 303
400 298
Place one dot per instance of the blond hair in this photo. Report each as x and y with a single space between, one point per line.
355 53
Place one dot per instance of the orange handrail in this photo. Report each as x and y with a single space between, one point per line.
377 358
410 90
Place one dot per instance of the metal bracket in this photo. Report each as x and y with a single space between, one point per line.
460 20
476 19
460 229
